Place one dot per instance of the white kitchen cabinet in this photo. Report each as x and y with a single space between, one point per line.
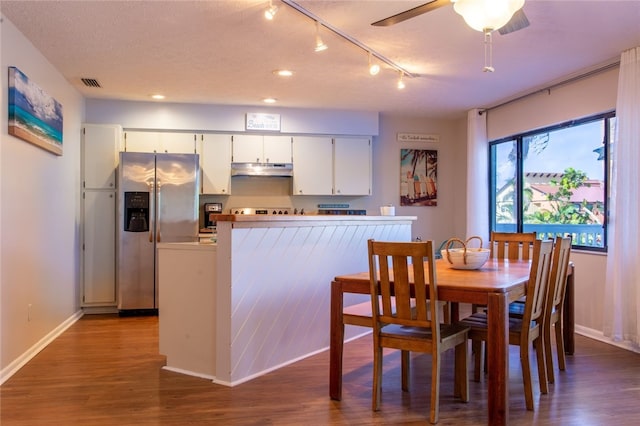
215 163
99 248
261 149
352 166
171 142
100 145
312 165
325 166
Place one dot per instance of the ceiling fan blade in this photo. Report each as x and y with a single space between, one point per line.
517 22
411 13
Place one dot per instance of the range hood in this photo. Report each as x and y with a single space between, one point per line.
261 169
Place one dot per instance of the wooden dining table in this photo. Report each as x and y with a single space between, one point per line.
498 283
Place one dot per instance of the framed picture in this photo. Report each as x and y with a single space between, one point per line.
34 116
418 177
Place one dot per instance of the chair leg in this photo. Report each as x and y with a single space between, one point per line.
542 366
377 378
435 387
548 352
560 346
461 372
476 351
526 376
405 370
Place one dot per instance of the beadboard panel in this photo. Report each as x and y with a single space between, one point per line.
280 292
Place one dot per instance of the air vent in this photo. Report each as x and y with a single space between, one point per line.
91 82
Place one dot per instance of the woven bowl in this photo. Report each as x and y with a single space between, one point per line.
465 257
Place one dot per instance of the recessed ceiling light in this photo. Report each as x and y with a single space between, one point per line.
269 100
283 73
157 96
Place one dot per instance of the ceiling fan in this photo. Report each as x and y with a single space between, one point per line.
517 22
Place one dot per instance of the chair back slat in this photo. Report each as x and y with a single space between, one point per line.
558 276
538 282
398 275
512 245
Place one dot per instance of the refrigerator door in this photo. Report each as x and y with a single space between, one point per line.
136 240
177 184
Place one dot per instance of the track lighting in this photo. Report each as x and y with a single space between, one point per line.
270 13
401 82
374 69
320 46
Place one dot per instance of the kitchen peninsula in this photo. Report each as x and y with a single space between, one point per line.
259 299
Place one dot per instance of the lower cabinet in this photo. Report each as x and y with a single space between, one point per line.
99 248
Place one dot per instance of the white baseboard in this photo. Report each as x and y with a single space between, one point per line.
599 336
189 373
27 356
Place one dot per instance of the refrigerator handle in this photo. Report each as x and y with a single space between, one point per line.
158 220
152 213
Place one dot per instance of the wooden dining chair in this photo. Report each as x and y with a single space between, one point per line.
555 302
397 269
504 245
528 329
511 245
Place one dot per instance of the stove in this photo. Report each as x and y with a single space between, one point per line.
262 210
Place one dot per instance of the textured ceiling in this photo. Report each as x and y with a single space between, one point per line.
224 52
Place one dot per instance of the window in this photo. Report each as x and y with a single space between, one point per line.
554 181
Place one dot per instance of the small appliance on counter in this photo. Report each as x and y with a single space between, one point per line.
208 209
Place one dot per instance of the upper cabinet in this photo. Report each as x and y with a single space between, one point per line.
261 149
352 166
171 142
312 165
215 163
326 166
100 145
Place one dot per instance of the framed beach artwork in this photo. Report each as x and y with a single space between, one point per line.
34 116
418 177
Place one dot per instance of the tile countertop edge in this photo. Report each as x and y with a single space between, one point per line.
307 218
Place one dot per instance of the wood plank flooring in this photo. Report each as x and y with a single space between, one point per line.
106 370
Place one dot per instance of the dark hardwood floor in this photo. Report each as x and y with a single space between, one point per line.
106 370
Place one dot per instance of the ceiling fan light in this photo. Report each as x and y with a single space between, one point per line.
482 15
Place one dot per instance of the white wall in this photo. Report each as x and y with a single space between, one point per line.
39 214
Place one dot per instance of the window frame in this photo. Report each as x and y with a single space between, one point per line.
518 139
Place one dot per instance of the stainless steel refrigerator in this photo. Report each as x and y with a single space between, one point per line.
157 202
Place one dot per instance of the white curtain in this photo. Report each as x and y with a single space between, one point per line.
477 175
622 289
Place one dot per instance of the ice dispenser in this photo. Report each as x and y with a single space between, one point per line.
136 211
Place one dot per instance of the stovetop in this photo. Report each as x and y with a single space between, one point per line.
265 210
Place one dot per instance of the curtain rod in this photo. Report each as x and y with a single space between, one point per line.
553 86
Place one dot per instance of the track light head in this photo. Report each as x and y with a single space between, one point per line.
320 45
374 69
270 13
401 84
